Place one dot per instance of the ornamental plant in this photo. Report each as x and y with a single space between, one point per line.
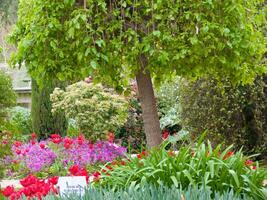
55 155
96 109
7 97
33 188
150 192
5 149
116 41
219 169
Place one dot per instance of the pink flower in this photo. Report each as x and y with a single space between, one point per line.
248 162
18 151
253 167
17 143
42 145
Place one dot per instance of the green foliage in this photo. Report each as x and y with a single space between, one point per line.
168 103
150 192
131 134
189 38
5 149
8 11
230 114
21 119
96 109
7 95
44 122
216 169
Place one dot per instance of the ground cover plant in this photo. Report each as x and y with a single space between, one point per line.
219 169
150 192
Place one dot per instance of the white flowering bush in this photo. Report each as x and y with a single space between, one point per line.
96 109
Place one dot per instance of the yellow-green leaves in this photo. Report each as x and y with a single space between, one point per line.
190 38
95 108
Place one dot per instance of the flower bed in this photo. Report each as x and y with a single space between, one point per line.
55 155
106 165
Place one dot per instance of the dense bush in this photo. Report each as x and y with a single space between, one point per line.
150 192
132 134
220 170
96 109
230 114
20 118
7 95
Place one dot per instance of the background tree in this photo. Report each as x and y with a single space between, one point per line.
7 96
119 40
232 115
43 121
8 16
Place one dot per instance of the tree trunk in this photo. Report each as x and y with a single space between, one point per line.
148 105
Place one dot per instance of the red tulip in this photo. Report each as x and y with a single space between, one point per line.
74 169
8 191
33 136
229 153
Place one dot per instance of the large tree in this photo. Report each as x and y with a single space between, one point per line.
120 40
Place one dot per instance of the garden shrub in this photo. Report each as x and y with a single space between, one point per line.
20 118
218 169
7 95
96 109
230 114
132 134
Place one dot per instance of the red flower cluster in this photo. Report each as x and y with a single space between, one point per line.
142 155
55 138
17 143
76 171
80 139
67 143
32 188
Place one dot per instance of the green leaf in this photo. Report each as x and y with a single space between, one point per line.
93 64
174 180
233 173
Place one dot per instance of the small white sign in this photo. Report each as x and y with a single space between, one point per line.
72 185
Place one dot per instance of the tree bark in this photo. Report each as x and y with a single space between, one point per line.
148 105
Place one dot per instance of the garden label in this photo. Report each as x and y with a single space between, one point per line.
72 185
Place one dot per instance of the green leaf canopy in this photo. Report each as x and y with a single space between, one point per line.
187 38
